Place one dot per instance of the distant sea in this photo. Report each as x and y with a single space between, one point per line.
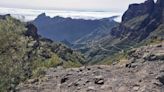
31 14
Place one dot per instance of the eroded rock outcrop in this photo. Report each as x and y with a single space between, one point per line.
32 31
139 21
135 10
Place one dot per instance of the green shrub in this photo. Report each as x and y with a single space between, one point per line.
21 60
70 64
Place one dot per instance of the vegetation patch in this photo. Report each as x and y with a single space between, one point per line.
23 57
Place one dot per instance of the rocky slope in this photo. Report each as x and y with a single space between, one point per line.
141 24
142 71
24 54
138 23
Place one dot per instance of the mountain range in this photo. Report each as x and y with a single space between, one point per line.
30 14
141 24
99 39
41 55
72 30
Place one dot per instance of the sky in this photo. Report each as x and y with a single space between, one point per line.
95 5
28 10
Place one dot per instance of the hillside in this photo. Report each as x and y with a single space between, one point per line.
141 24
24 54
141 71
113 57
72 30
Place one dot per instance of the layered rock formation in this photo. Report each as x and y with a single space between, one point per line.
140 20
135 10
141 24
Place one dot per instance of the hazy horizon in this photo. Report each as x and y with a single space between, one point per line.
86 9
30 14
92 5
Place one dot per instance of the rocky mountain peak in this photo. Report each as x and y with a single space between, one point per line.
161 3
42 15
160 9
144 17
135 10
4 16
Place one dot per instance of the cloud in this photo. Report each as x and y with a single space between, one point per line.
31 14
107 5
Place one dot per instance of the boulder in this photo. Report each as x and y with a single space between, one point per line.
99 80
161 79
31 31
63 80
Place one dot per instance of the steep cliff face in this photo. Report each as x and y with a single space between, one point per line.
148 7
159 9
135 10
141 23
140 20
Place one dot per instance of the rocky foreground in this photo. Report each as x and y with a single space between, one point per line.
143 71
